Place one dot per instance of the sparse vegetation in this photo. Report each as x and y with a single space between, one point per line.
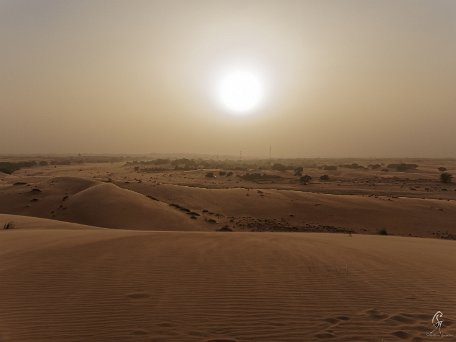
446 177
10 167
210 175
259 177
442 169
9 225
354 166
324 178
382 231
305 179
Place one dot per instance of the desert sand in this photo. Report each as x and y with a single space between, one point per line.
101 252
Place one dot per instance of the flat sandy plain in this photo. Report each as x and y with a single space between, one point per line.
104 252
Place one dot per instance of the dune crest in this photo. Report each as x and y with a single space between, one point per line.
107 205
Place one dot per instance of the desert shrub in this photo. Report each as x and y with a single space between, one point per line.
10 167
161 161
442 169
382 231
9 225
229 174
222 173
298 171
324 177
259 177
330 167
446 177
210 175
305 179
354 166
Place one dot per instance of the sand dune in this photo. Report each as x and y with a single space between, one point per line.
29 222
91 202
117 285
117 197
362 213
107 205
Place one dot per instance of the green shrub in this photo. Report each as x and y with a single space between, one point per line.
446 177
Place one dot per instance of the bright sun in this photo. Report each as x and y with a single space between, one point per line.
240 91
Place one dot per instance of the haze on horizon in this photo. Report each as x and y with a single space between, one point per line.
346 78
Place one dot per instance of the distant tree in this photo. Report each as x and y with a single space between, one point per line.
324 177
305 179
446 177
298 171
442 169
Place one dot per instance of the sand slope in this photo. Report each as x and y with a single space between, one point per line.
30 222
91 202
94 198
117 285
362 213
107 205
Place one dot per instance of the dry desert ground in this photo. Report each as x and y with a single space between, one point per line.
135 249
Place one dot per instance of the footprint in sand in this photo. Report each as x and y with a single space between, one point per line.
402 319
376 315
337 319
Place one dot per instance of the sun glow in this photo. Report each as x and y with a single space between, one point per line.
240 91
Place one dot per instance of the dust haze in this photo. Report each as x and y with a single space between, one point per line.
345 79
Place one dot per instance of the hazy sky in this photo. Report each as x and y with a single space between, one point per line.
342 78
